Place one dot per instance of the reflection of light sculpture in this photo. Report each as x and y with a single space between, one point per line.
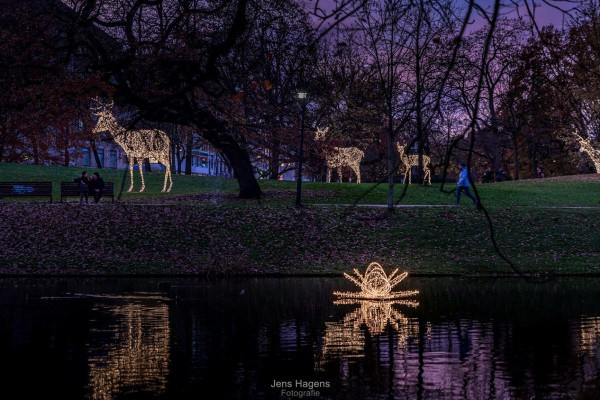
412 160
376 285
347 338
140 144
134 350
341 157
376 314
590 334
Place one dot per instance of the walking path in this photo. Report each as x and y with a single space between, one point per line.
385 205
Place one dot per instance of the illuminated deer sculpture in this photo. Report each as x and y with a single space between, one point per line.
341 157
586 147
412 160
138 144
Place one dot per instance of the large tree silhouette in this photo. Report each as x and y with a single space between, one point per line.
172 59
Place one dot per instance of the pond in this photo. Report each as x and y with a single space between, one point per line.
272 338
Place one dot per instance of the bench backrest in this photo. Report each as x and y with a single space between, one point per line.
72 189
69 188
25 188
108 189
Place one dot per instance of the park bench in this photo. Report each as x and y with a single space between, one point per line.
18 189
72 189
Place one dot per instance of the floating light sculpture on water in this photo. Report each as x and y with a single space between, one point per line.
376 301
376 285
140 144
341 157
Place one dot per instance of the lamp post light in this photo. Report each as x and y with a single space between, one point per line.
301 95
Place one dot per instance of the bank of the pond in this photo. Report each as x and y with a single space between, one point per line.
250 238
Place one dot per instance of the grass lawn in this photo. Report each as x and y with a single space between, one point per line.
201 228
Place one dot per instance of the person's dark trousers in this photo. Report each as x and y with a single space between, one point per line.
98 195
83 193
467 192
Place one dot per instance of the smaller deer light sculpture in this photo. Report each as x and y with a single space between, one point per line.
138 144
412 160
341 157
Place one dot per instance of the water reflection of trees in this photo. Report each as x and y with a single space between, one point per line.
129 348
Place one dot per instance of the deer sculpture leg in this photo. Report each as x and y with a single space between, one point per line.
130 175
168 172
140 162
339 171
167 175
328 175
356 170
407 172
426 170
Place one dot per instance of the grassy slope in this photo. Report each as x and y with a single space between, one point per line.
581 191
224 235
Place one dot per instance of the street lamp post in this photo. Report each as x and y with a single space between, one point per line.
302 98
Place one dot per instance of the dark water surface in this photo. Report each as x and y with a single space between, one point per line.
186 338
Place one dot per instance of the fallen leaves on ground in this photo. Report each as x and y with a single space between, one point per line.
203 236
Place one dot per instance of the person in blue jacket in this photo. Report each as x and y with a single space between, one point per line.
463 184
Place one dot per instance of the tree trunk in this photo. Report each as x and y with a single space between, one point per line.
147 164
2 141
391 166
215 132
516 157
188 154
242 170
95 152
173 158
495 130
67 156
36 155
274 161
419 100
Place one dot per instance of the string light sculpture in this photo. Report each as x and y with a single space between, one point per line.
138 144
412 160
347 338
586 147
341 157
376 285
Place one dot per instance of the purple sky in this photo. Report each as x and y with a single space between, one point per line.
544 13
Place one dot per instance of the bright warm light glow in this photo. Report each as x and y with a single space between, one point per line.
347 338
376 285
412 160
341 157
140 144
377 314
586 147
589 334
376 302
135 351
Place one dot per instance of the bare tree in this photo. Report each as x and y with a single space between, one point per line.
169 59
